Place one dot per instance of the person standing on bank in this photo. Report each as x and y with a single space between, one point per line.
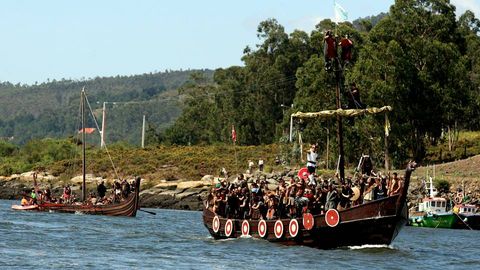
312 157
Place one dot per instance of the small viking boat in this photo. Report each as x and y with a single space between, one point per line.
128 207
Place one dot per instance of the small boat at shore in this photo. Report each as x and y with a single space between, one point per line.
432 213
469 216
125 207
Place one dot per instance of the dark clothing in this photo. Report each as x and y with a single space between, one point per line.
346 194
346 45
379 192
101 190
232 206
330 47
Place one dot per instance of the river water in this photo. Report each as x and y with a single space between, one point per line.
178 240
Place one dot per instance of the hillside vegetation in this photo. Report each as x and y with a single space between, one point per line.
419 58
52 109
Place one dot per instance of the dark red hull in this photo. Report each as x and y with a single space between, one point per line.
126 208
374 223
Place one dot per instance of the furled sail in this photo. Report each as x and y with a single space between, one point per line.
342 112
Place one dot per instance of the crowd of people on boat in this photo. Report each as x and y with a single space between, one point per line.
252 197
119 191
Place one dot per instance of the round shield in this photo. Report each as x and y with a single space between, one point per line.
228 227
262 228
293 228
308 221
216 224
245 228
332 217
278 229
356 194
303 173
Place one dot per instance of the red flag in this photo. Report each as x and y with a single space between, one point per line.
87 130
234 134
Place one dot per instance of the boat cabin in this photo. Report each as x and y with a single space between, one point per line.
433 205
466 209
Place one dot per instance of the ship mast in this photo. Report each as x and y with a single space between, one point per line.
84 186
341 161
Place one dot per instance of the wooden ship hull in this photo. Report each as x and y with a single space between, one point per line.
127 208
374 223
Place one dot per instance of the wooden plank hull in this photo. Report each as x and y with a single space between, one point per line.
373 223
126 208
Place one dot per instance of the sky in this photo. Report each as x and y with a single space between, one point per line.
78 39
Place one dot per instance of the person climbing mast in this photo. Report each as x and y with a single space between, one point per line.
346 54
329 50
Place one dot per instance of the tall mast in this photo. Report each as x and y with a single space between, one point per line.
84 186
102 133
341 163
143 132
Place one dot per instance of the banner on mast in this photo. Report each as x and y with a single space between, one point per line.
87 130
341 14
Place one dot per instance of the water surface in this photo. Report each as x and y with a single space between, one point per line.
178 240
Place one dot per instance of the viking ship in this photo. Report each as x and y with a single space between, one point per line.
128 207
373 223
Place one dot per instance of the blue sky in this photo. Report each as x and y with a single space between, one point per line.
78 39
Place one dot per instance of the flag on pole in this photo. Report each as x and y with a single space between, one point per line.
341 14
234 134
87 130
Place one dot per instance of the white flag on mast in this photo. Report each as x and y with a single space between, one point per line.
341 14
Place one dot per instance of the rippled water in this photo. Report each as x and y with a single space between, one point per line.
178 240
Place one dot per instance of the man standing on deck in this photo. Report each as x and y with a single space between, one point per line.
312 156
101 190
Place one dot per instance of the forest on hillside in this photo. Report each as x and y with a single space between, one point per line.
51 109
419 58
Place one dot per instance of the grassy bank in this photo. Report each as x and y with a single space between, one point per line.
156 163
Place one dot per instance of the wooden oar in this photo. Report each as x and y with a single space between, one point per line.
151 213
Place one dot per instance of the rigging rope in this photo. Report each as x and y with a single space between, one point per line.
98 128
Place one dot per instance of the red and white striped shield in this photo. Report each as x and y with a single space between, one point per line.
278 228
293 228
262 228
308 221
332 218
245 228
228 227
216 224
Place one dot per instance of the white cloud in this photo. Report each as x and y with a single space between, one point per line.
464 5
